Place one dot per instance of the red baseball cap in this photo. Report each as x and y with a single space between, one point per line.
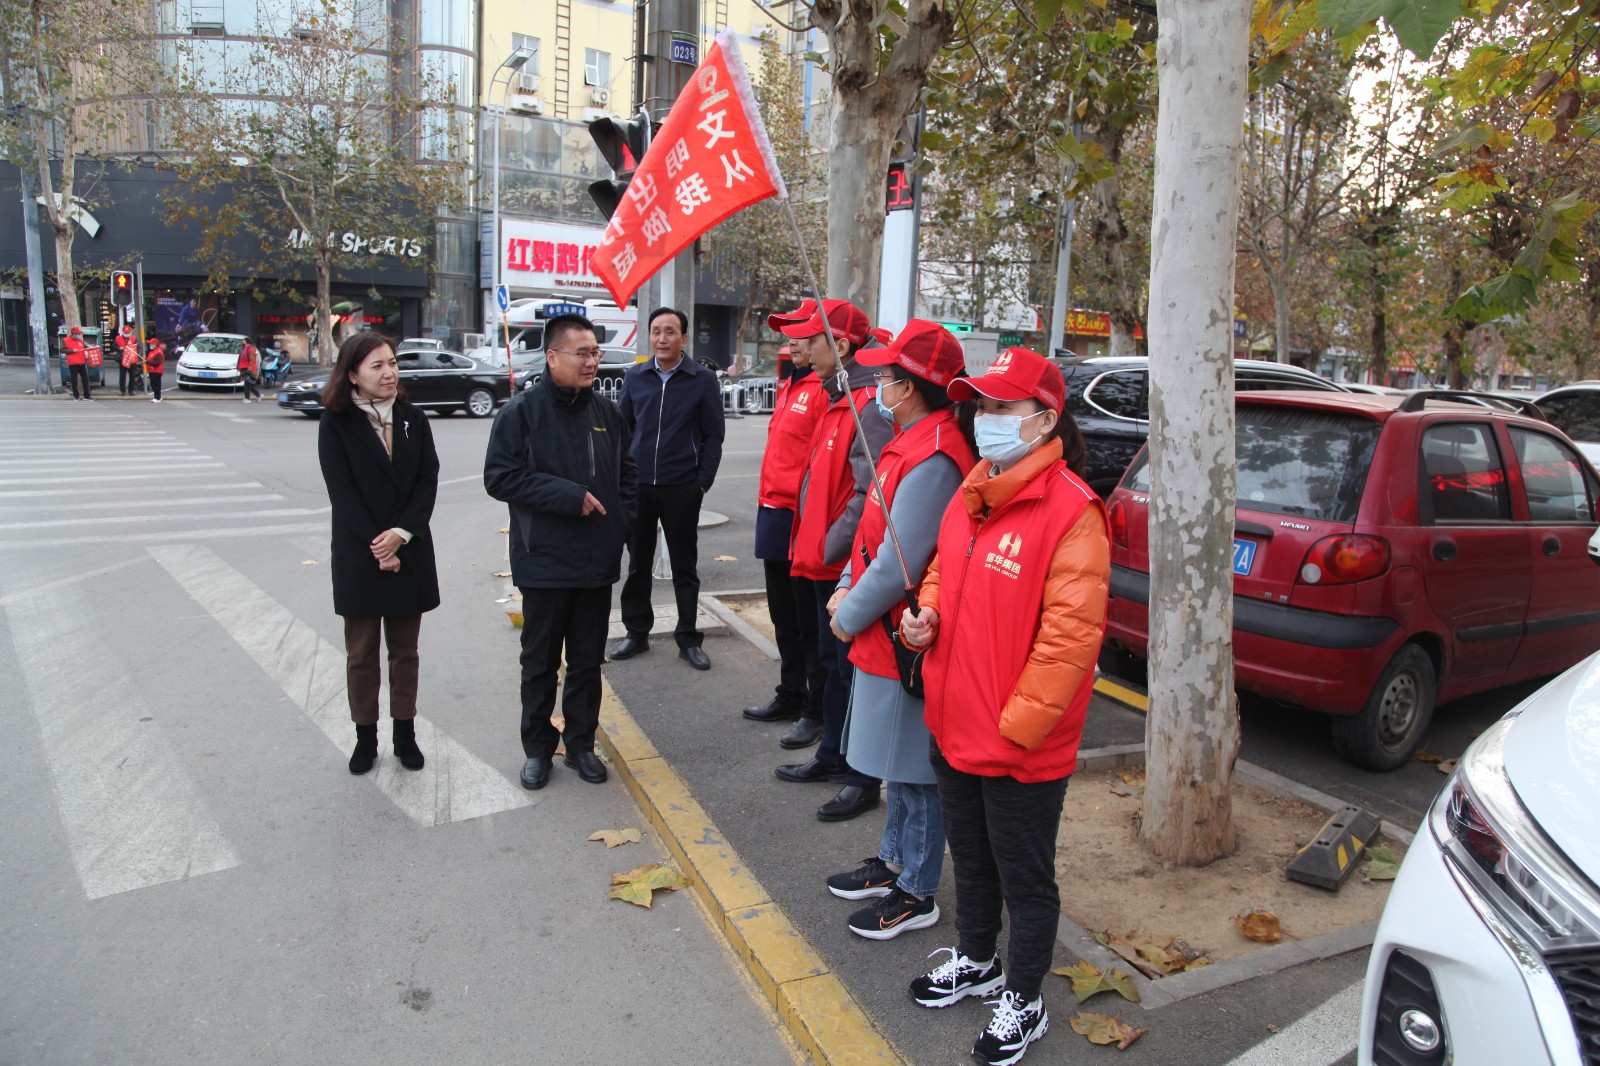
806 309
845 320
76 331
925 348
1016 374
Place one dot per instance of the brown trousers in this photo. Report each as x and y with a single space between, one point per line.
363 671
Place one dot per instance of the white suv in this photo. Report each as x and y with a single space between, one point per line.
1488 953
1575 410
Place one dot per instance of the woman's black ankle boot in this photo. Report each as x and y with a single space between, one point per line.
366 752
405 743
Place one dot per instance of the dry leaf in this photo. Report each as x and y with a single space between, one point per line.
1424 755
614 837
640 884
727 558
1382 865
1273 1028
1087 981
1447 766
1104 1029
1154 956
1132 778
1120 789
308 562
506 529
502 573
1261 926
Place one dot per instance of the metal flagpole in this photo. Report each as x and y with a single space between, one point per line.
844 381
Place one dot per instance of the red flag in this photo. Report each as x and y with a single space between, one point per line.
711 159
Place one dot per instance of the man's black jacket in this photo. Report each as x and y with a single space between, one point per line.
548 447
676 424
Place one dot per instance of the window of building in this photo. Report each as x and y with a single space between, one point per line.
596 68
521 42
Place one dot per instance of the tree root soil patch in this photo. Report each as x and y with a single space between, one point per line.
1111 882
754 611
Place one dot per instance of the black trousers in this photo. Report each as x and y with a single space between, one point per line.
155 384
551 619
792 606
128 379
677 508
251 386
76 374
1002 837
837 671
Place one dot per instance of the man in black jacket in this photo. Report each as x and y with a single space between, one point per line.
558 454
673 408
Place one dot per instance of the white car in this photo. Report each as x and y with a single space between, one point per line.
1488 952
1575 410
211 362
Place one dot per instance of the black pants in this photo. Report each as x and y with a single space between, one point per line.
834 657
792 606
551 618
1002 837
128 379
250 386
76 374
155 384
677 508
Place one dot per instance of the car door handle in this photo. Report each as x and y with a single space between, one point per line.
1444 550
1552 546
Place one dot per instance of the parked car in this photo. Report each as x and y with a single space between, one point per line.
1372 390
435 380
1388 554
1109 397
1488 951
1575 410
211 361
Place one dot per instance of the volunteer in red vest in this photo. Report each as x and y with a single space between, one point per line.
791 601
155 361
832 498
77 367
1012 613
921 469
249 368
127 361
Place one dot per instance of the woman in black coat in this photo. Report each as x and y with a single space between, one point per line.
383 475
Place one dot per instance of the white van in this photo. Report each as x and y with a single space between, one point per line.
618 327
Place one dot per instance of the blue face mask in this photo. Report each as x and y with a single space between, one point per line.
884 409
999 437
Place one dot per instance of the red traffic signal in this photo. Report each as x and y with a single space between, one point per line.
122 288
623 145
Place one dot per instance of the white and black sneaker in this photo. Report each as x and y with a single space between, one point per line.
896 913
955 979
1014 1026
872 878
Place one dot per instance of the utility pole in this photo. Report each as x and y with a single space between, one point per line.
1061 305
36 321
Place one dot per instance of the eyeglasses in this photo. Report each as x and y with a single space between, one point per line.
587 355
885 379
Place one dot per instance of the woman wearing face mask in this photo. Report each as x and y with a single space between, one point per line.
382 474
1012 614
921 468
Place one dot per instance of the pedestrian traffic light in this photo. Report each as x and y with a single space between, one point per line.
121 288
622 144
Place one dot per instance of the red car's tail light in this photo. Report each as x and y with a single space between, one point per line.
1117 516
1344 558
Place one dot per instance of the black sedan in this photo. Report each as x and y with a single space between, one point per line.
434 379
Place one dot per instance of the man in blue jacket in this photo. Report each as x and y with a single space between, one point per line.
673 409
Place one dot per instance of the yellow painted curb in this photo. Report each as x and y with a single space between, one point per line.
1122 694
814 1005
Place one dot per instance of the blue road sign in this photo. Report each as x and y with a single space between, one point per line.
685 49
502 296
553 309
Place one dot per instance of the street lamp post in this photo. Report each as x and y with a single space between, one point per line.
508 67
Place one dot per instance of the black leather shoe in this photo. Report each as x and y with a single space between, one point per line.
627 648
814 770
803 734
695 657
588 765
774 710
536 773
851 801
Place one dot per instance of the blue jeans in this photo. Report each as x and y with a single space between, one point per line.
913 837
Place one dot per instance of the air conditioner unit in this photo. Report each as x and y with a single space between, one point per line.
528 105
205 19
306 33
527 83
600 97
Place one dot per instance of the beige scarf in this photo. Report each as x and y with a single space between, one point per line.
381 414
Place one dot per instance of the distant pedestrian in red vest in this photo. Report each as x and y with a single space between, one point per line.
1013 612
77 367
155 361
249 369
128 370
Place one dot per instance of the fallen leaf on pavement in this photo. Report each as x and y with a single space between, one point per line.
1273 1028
1132 778
1154 956
727 558
1104 1029
308 562
1120 789
614 837
1261 926
1424 755
502 573
1087 980
506 529
1447 766
1382 865
640 884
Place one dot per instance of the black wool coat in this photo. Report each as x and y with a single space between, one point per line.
371 493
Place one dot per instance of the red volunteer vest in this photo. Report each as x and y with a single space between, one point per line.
795 413
934 434
991 595
828 485
72 348
156 359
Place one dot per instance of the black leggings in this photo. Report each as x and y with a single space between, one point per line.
250 386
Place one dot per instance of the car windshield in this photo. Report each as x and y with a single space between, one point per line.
1298 462
204 343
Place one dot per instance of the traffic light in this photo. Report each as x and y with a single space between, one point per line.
122 288
622 144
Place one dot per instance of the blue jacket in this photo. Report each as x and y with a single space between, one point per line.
676 425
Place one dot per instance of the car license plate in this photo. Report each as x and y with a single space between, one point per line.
206 373
1244 554
283 397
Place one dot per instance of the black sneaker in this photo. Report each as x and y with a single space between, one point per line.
1014 1026
955 979
896 913
871 878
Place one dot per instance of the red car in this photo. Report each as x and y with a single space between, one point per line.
1389 553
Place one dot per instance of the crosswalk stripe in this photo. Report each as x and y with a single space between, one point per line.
455 785
174 469
1324 1036
132 816
127 519
167 536
183 501
115 463
19 494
